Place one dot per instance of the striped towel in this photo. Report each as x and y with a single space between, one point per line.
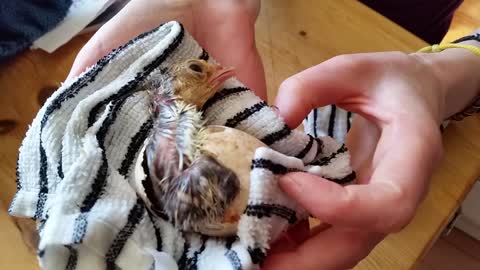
329 121
76 168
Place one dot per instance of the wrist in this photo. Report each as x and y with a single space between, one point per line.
457 70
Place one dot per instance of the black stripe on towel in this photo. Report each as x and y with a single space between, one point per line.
232 256
257 255
134 217
204 55
88 77
315 113
326 160
345 180
41 253
99 182
182 262
80 228
122 93
139 76
42 195
100 179
59 168
331 121
92 115
158 235
72 258
229 241
56 104
349 117
306 149
239 117
41 225
319 147
191 263
135 144
17 172
261 163
277 135
267 210
222 95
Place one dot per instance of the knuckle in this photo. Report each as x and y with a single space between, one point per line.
341 209
293 84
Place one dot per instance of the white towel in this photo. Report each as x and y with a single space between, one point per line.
329 121
76 168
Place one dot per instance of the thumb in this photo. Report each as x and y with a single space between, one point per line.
339 80
370 207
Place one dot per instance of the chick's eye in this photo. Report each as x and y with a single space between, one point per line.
195 67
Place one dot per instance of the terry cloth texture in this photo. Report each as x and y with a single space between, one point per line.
23 21
328 121
76 168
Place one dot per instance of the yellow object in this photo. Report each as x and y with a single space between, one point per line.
474 107
441 47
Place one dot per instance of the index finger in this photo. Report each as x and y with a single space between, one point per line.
341 79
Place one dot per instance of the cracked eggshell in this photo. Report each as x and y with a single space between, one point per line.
235 150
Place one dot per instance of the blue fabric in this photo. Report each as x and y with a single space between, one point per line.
23 21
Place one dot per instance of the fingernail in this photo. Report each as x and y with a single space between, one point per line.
290 183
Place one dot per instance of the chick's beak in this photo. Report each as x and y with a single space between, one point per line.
220 75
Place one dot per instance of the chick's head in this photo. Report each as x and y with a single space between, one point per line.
195 80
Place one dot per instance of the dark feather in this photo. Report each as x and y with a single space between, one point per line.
200 195
194 189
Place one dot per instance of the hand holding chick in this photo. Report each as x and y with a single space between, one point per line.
199 175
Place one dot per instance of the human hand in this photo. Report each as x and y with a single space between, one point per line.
224 28
394 146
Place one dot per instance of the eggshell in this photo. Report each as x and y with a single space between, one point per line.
235 150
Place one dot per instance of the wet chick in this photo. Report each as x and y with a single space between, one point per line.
189 184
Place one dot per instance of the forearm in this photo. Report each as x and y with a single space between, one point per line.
458 71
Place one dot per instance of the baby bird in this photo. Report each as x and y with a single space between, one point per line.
190 186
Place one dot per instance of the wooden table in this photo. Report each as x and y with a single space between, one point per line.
291 36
